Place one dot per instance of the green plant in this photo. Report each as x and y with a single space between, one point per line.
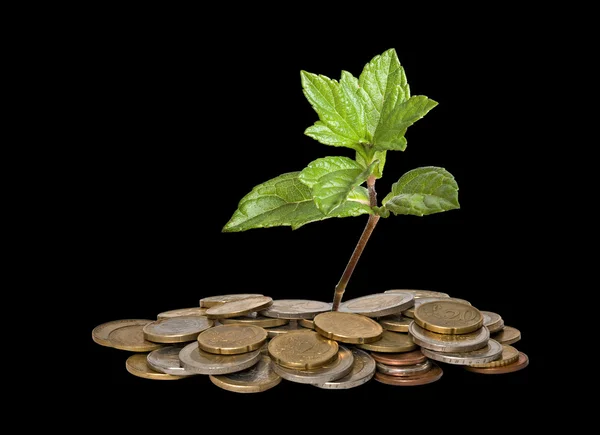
369 115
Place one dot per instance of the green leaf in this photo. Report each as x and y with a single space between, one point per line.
422 191
342 118
359 194
332 179
284 201
377 155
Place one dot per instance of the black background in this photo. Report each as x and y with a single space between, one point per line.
185 120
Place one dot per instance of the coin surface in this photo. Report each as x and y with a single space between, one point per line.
520 364
195 360
213 301
279 330
307 323
432 375
101 332
296 309
337 368
232 339
449 342
239 307
348 327
260 377
391 342
176 329
410 313
131 338
166 360
492 321
421 293
508 335
448 317
193 311
395 322
379 304
302 349
400 359
138 366
509 356
416 369
263 322
363 369
491 352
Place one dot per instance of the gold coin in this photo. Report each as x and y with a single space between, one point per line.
509 356
307 323
101 332
421 293
213 301
278 330
395 322
348 327
302 349
193 311
508 335
239 307
259 377
131 338
232 339
138 366
448 317
420 301
262 321
391 342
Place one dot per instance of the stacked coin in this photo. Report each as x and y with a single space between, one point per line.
405 369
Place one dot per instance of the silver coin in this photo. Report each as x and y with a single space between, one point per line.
195 360
449 342
296 309
212 301
421 293
492 321
411 311
362 371
338 368
176 329
395 322
411 370
278 330
491 352
239 308
166 360
379 304
194 311
259 377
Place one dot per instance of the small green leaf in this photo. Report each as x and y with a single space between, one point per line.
422 191
377 155
284 201
359 194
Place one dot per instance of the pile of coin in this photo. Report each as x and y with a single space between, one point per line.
249 342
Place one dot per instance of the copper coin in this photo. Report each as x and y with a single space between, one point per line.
520 364
426 378
400 359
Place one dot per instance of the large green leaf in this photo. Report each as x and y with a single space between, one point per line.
332 179
284 201
422 191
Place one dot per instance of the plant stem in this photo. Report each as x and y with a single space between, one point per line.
340 288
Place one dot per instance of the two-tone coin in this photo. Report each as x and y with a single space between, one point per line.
239 308
378 304
492 321
391 342
348 327
520 364
400 359
410 313
431 375
213 301
101 332
449 342
334 369
176 329
131 338
295 309
448 317
363 369
508 335
166 360
395 322
195 360
509 356
490 352
193 311
260 377
412 370
232 339
302 349
262 321
138 366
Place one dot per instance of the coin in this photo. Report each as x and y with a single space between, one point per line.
101 332
449 342
362 371
296 309
131 338
302 349
395 322
492 321
193 311
348 327
166 360
213 301
508 335
232 339
259 377
491 352
509 356
415 369
239 307
520 364
195 360
448 317
391 342
337 368
176 329
420 301
279 330
263 322
421 293
378 304
138 366
400 359
307 323
428 377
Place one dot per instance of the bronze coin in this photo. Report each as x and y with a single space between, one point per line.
520 364
426 378
400 359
